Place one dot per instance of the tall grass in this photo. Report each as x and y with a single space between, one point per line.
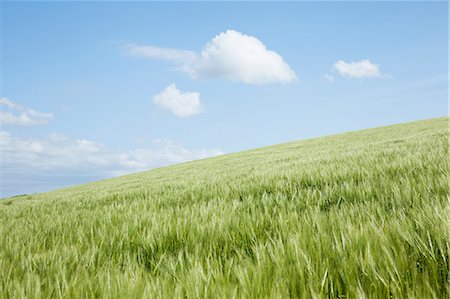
361 214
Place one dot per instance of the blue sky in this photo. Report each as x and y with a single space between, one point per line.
92 90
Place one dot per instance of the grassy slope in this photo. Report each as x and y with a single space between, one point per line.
364 212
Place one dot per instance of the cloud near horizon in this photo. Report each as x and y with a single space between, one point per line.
231 56
13 114
30 164
182 104
360 69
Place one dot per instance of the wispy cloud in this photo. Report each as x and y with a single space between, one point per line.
230 55
14 114
58 160
175 55
329 78
420 91
181 104
360 69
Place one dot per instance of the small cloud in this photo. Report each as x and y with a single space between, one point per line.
360 69
18 115
182 104
329 78
231 56
175 55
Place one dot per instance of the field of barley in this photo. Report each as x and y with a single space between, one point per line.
354 215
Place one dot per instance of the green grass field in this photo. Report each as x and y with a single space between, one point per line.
360 214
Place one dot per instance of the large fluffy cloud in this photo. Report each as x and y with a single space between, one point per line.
182 104
359 69
17 115
230 55
39 164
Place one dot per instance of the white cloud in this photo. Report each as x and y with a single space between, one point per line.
329 78
17 115
164 152
59 151
31 164
176 55
230 55
182 104
360 69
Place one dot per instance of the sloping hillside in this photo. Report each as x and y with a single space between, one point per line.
364 212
